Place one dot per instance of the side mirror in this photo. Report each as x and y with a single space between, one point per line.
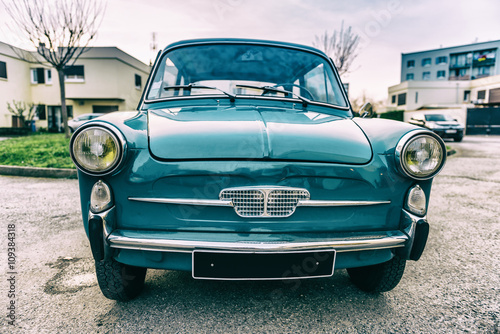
366 110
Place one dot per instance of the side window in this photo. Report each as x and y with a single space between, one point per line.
319 85
170 77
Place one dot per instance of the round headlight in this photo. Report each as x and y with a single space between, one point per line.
421 156
96 150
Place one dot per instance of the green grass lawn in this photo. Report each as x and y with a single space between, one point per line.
38 150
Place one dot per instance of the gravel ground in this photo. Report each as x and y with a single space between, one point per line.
454 288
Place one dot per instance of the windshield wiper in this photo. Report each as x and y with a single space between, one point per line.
190 86
305 101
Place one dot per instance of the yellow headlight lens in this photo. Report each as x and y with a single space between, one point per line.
423 156
96 150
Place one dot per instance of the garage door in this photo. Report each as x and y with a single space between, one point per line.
483 121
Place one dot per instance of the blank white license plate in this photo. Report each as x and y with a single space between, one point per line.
451 131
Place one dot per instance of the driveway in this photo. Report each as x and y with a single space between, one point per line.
455 287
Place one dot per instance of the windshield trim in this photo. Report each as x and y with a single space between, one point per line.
179 45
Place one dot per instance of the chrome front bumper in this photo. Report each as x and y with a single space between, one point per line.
124 240
187 242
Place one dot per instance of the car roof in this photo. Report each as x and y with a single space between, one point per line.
242 41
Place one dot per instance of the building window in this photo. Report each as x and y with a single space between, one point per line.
466 95
494 96
426 62
441 74
410 64
38 75
138 81
441 60
3 70
74 73
483 71
426 76
402 99
459 60
41 76
409 76
41 112
416 97
481 94
393 99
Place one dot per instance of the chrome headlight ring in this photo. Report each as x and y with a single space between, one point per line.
104 146
420 155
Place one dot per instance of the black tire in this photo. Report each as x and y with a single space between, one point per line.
119 281
380 277
458 139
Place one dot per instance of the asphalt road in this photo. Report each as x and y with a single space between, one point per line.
453 288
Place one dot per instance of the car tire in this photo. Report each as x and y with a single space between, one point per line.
379 277
458 139
119 281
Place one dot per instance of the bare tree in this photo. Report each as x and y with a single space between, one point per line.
60 30
341 46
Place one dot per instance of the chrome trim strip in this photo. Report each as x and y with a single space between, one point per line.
184 201
187 246
217 202
340 203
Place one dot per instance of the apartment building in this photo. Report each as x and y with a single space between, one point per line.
463 81
465 62
103 79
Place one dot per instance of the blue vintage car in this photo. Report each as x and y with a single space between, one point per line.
244 162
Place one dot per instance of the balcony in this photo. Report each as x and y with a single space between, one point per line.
459 66
458 78
485 62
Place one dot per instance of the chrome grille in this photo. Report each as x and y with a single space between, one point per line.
264 202
247 203
282 203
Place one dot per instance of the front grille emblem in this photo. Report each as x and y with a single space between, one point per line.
264 201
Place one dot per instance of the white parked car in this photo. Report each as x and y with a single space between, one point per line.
76 122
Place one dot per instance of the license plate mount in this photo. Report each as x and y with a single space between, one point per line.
229 265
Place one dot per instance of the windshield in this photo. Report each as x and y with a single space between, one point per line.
438 118
245 69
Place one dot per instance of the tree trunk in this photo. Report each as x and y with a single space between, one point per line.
64 109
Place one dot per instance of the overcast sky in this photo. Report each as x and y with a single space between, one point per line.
387 28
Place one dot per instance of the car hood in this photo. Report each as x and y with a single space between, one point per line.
196 133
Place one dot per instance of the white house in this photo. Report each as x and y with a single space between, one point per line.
103 79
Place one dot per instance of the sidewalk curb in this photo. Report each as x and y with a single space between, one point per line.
61 173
